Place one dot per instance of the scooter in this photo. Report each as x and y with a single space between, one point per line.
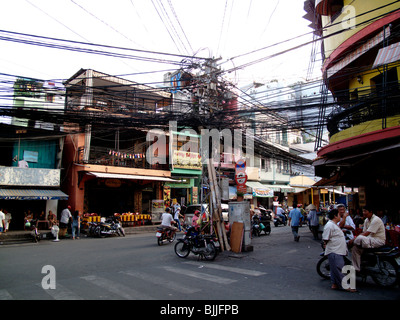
255 226
279 221
381 264
110 227
165 235
199 244
265 222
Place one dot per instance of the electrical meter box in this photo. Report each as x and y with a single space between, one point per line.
240 212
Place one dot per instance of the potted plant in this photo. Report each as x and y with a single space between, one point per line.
240 196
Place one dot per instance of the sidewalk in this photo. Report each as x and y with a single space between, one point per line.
21 236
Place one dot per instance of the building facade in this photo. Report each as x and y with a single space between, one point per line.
361 70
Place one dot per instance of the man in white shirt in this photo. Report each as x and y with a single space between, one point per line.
2 221
373 236
335 248
167 220
346 222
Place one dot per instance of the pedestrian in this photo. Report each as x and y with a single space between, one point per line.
373 236
313 221
64 220
295 217
8 218
2 220
76 222
177 214
335 249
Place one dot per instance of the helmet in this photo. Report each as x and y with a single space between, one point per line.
197 212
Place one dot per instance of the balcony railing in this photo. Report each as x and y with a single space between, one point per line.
370 107
122 158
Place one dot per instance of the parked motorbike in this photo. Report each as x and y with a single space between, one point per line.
265 222
92 229
165 235
255 226
381 264
110 227
198 244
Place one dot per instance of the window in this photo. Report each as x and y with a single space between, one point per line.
335 9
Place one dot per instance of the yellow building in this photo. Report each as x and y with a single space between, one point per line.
361 58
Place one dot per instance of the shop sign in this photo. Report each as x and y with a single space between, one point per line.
113 183
187 160
263 193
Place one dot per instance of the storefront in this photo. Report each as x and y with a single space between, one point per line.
105 194
260 194
186 168
19 201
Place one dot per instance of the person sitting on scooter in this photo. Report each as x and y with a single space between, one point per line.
373 236
281 213
167 220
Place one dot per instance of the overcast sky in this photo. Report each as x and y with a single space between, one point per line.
216 28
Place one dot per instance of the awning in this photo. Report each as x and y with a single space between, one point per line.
32 194
283 188
254 184
371 43
130 176
387 55
273 187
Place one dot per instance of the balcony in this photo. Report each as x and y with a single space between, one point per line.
378 109
122 158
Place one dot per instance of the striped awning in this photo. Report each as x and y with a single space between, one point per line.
130 176
387 55
32 194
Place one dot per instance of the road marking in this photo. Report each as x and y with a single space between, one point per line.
200 275
61 293
5 295
116 288
162 282
230 269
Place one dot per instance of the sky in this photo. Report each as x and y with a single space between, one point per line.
227 29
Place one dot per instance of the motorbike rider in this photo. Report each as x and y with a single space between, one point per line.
281 213
373 236
167 220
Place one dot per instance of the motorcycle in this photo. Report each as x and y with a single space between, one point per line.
199 244
110 227
265 222
165 235
279 221
381 264
255 226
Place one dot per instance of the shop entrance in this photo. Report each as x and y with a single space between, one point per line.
106 199
17 208
180 194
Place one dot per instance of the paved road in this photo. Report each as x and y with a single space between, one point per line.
136 268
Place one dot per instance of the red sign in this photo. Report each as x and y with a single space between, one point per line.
240 178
